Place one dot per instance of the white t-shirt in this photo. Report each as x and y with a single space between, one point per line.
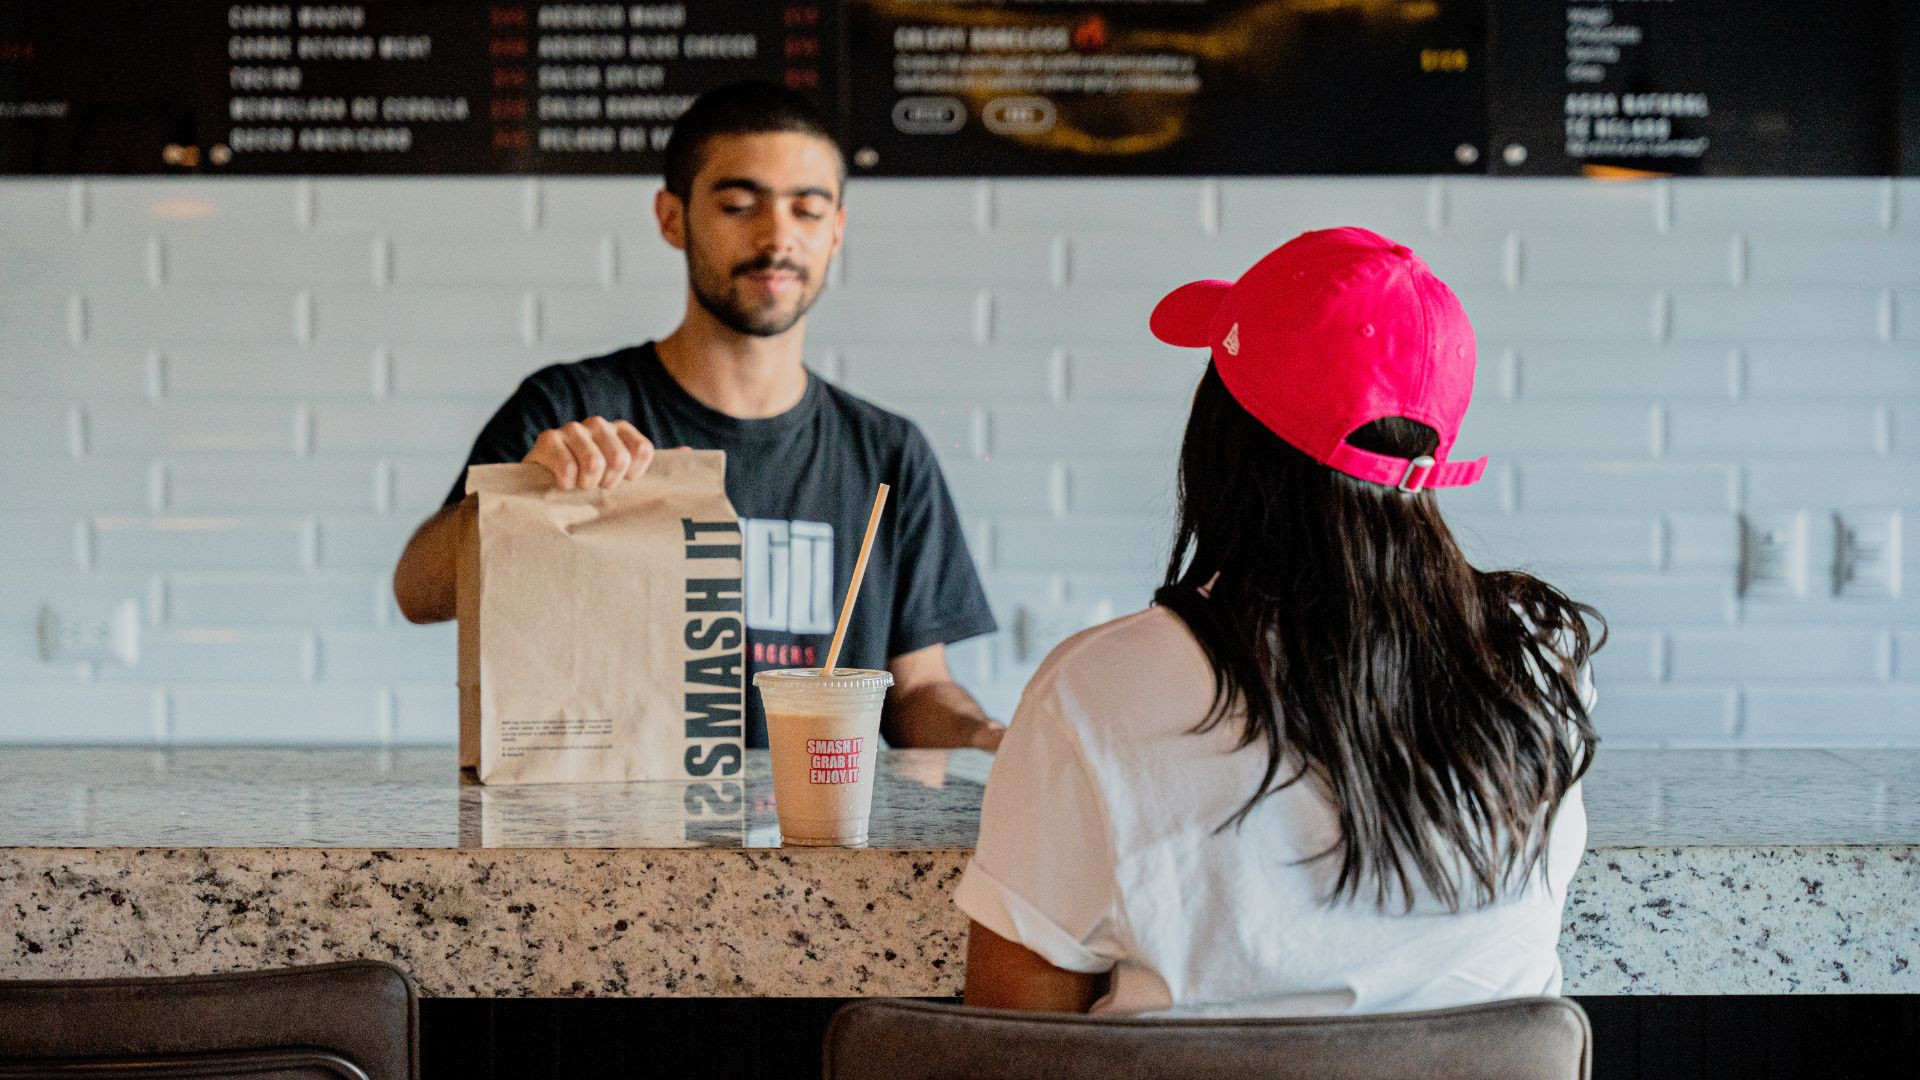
1098 850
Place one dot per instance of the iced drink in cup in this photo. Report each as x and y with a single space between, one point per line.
824 731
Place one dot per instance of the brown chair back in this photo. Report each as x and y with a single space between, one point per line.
352 1021
1515 1039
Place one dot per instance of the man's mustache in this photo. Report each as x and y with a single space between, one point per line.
767 262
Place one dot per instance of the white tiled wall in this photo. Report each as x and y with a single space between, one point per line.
230 401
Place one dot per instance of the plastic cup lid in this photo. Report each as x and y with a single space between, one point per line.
839 679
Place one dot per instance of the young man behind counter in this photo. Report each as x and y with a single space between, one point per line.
752 196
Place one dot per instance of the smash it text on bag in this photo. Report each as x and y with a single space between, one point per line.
601 630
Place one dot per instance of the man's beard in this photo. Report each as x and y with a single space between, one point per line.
723 304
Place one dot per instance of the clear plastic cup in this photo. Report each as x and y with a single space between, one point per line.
824 731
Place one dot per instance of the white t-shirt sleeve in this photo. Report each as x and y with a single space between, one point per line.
1042 873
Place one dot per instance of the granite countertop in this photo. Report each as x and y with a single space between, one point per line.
1758 871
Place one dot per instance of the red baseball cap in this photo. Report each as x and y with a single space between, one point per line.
1329 332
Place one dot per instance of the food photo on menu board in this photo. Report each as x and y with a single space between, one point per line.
1165 86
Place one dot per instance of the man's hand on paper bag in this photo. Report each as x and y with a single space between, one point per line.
592 453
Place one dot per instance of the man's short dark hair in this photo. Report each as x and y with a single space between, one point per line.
743 108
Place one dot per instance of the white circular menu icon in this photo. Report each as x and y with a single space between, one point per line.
1018 115
929 115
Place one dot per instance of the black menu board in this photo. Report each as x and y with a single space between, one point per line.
970 87
1906 55
1697 87
385 86
1165 86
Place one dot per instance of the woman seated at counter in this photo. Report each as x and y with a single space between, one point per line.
1335 767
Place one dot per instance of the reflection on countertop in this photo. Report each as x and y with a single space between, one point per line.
923 800
416 798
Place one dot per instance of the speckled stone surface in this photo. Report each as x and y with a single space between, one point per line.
1789 871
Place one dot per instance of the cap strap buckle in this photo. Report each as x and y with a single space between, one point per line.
1409 483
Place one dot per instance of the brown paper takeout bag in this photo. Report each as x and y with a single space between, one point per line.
602 632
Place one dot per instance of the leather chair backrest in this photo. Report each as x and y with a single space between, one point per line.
1513 1039
351 1021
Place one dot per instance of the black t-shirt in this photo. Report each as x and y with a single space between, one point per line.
803 484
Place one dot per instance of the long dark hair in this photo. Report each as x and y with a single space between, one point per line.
1437 703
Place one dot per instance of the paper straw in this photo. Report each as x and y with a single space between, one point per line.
853 587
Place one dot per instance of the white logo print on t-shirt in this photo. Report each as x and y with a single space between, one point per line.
789 575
